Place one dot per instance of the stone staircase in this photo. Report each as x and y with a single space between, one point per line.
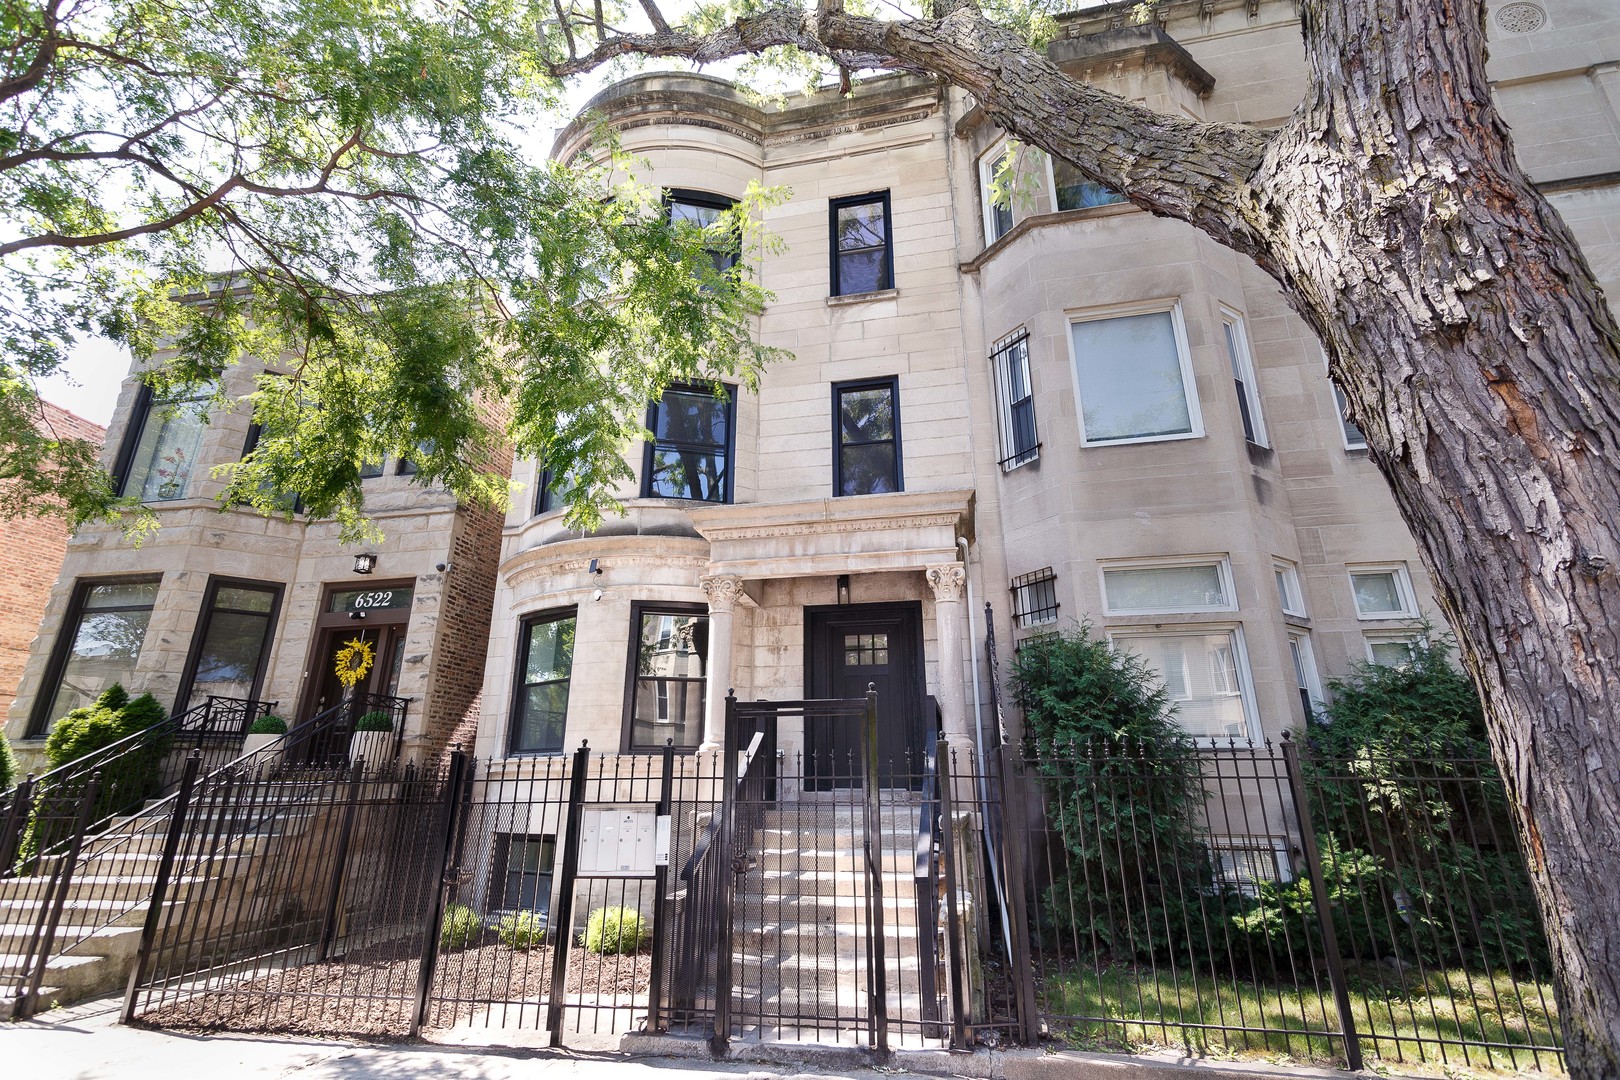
106 904
800 925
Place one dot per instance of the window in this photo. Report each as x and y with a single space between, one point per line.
1305 678
160 447
1393 650
99 645
1289 595
545 665
1132 377
408 467
1072 190
553 492
998 215
1206 675
1242 863
701 210
1354 437
523 868
1168 588
668 662
1383 592
232 643
284 501
866 442
1248 387
370 470
1010 362
862 250
1035 598
690 455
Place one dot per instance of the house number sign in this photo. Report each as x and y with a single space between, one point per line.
371 599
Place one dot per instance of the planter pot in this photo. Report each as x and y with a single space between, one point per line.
377 747
255 744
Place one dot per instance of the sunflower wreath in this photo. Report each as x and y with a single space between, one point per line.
354 660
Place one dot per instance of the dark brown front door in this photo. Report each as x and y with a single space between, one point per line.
852 647
379 615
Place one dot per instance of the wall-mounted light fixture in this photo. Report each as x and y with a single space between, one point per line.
365 562
843 589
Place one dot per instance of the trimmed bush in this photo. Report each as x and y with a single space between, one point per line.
616 930
460 928
376 720
268 725
522 930
8 765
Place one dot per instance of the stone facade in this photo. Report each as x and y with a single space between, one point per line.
31 551
439 551
1264 508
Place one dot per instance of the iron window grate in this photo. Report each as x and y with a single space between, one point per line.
1035 598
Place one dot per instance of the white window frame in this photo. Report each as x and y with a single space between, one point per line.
1235 342
1223 568
1403 588
1412 638
1288 573
1276 845
1343 406
1299 644
1002 378
987 173
1240 656
1189 386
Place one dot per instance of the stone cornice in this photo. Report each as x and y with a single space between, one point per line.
611 552
817 517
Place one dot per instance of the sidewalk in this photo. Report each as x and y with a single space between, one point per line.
86 1042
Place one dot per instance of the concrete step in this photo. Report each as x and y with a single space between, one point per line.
71 977
119 942
92 912
109 887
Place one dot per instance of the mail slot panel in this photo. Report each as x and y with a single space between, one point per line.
618 841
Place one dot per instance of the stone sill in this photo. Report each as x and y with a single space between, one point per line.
862 298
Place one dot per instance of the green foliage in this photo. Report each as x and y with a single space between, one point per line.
460 928
522 930
351 185
1427 705
376 720
113 716
616 930
268 725
1124 791
8 764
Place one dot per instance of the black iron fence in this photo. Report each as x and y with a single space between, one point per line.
1246 898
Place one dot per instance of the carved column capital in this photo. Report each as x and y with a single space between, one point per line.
723 592
947 581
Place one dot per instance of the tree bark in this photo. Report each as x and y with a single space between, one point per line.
1468 334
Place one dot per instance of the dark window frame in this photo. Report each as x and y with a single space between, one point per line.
514 714
650 447
205 616
1006 354
638 609
39 720
139 415
293 506
500 865
836 287
892 384
544 491
710 200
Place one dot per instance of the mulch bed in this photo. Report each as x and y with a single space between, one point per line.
369 993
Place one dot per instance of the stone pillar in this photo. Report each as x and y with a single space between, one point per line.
948 582
723 594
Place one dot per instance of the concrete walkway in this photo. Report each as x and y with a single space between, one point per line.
86 1042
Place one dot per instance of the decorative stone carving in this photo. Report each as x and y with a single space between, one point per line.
1520 18
947 581
723 592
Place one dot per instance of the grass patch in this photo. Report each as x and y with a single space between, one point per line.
1403 1019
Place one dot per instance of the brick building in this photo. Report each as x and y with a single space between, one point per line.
31 551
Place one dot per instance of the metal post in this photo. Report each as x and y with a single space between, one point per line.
660 940
40 956
947 838
1324 910
160 886
16 824
1020 962
340 861
876 973
561 931
443 878
728 882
